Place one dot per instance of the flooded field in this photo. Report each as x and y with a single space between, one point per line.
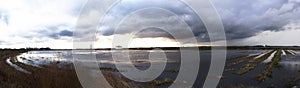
271 68
244 68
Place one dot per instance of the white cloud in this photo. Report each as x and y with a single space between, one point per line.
34 20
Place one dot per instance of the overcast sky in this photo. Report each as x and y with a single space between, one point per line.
51 23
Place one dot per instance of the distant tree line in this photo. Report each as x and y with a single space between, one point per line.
28 48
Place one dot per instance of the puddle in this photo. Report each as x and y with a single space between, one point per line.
16 66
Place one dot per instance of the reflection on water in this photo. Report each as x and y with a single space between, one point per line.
37 58
286 70
16 66
269 59
289 64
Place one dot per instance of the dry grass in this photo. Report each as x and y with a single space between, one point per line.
47 76
119 82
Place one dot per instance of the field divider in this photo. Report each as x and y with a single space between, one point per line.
11 62
29 68
283 52
268 69
269 59
248 58
288 52
253 64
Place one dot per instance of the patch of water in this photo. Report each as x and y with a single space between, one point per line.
8 61
283 52
262 54
269 59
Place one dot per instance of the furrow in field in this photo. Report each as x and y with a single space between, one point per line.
288 52
270 57
252 64
11 61
27 62
28 67
261 55
248 58
293 52
268 69
283 53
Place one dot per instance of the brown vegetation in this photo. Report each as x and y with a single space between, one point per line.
252 64
242 60
268 70
47 76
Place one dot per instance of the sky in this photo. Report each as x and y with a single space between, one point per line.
51 23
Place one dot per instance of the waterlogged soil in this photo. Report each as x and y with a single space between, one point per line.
46 76
39 78
284 75
54 69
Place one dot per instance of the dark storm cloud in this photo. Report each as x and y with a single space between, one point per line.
66 33
241 19
54 36
53 32
49 31
107 32
63 33
153 32
116 15
246 19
